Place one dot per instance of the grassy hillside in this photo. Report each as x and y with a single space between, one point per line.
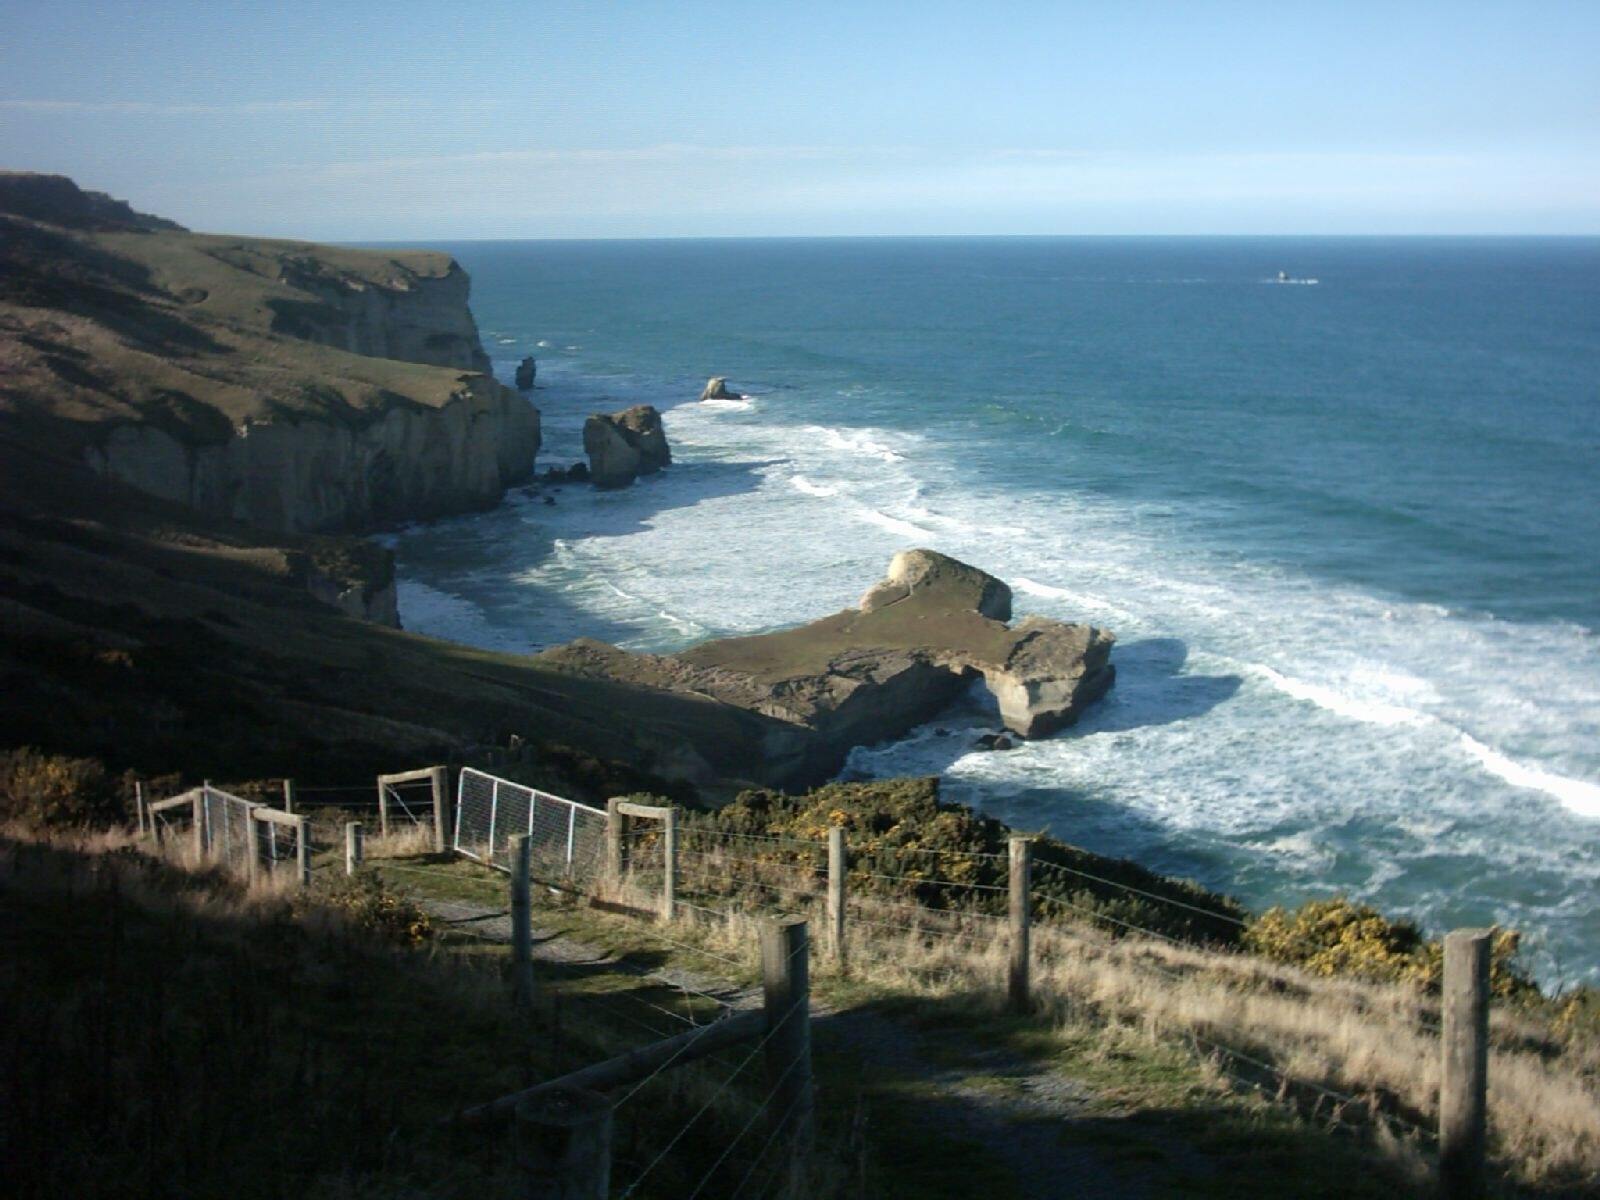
171 1033
190 334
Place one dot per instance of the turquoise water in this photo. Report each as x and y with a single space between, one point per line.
1347 533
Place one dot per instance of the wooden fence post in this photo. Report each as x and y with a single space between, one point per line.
200 822
836 870
138 805
563 1145
288 796
354 847
669 864
443 835
616 836
252 843
1021 873
521 921
1464 1079
383 808
302 849
786 1000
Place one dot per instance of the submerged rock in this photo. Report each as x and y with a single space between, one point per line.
871 674
622 446
527 371
578 472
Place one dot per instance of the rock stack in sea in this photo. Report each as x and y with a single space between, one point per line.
717 389
624 445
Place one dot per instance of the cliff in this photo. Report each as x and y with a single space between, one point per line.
290 386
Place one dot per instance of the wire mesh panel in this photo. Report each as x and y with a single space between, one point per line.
226 819
568 838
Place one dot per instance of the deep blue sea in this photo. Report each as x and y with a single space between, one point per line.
1346 532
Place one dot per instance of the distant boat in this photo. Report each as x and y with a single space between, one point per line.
1285 277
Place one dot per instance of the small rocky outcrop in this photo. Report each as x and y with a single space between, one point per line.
957 583
717 389
350 574
624 445
869 674
527 371
578 472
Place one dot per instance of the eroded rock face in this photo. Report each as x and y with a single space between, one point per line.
413 318
527 372
871 674
624 445
301 476
1051 673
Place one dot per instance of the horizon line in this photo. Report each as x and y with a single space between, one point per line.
925 237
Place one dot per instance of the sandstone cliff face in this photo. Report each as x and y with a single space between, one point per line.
412 317
307 475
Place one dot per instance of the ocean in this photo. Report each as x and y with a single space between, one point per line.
1347 532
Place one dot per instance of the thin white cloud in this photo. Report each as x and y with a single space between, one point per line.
145 107
665 153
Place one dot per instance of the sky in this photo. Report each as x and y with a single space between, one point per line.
348 120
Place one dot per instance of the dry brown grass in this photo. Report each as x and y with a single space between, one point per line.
1267 1025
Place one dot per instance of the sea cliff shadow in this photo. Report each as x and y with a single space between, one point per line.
512 541
1151 689
617 512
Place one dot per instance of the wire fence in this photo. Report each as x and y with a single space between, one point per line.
724 873
890 893
567 839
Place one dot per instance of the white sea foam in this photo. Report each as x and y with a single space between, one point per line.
741 404
1366 710
868 443
1576 795
801 484
894 524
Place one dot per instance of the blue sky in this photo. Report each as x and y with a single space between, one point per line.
354 120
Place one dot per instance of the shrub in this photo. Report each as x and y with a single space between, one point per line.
937 850
41 789
1335 937
367 903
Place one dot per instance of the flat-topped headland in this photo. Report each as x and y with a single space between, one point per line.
290 386
871 673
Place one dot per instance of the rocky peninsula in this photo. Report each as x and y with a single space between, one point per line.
871 673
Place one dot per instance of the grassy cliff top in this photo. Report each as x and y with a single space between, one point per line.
117 323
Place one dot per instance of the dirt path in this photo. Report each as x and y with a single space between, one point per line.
1019 1113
